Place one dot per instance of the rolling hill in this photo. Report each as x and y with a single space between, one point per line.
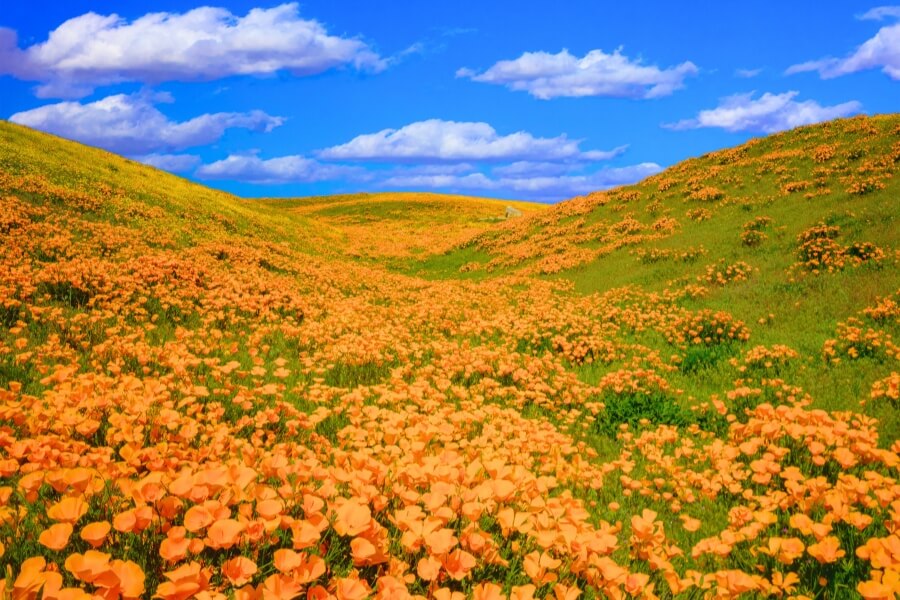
687 387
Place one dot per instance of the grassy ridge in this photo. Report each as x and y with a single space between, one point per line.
839 173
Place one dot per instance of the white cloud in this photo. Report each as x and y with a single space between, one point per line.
880 12
434 169
879 52
176 163
131 124
471 181
523 179
529 168
437 140
545 75
202 44
747 73
768 114
283 169
532 186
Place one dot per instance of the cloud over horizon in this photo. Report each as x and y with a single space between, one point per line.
546 76
131 124
528 186
175 163
538 183
202 44
283 169
439 140
769 113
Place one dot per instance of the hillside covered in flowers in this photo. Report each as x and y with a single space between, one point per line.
689 387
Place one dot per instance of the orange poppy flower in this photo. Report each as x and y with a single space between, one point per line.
522 592
458 563
95 533
90 567
176 546
428 568
736 581
347 588
875 590
287 560
440 542
281 587
565 592
198 517
826 551
30 579
305 534
56 537
447 594
540 567
239 570
269 509
352 517
184 582
130 578
364 552
317 592
68 510
311 568
224 534
644 526
487 591
689 523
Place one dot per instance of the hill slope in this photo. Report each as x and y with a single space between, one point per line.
389 226
200 393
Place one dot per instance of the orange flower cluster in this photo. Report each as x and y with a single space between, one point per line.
753 232
886 310
818 252
707 328
653 255
856 340
698 214
762 358
706 194
887 388
795 186
722 273
824 152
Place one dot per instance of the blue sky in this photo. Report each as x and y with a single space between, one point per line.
506 99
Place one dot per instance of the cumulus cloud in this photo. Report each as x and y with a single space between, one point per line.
437 140
176 163
202 44
879 52
131 124
284 169
545 75
767 114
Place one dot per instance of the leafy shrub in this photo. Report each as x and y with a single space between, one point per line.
640 410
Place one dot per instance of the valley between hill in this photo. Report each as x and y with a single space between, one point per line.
687 387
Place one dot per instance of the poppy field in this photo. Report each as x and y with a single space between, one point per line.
688 387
